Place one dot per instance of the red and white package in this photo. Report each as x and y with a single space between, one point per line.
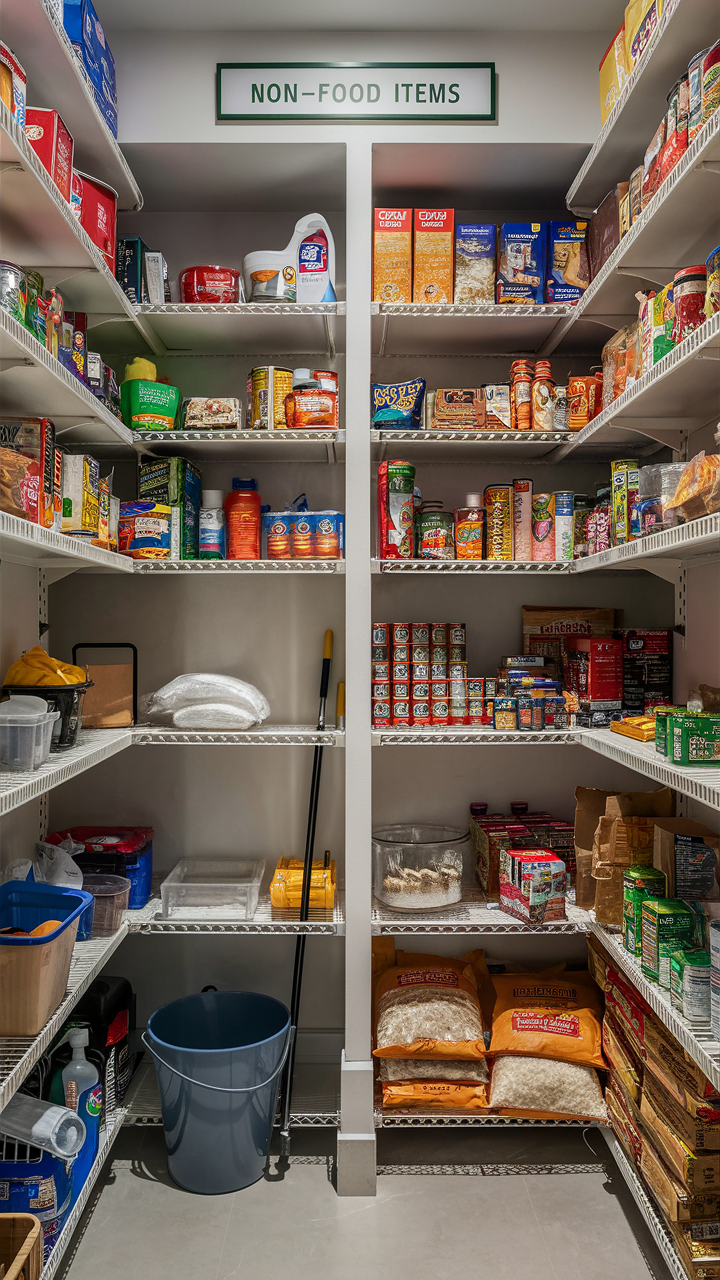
95 204
210 285
52 143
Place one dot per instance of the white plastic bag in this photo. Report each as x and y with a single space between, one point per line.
201 687
213 715
55 864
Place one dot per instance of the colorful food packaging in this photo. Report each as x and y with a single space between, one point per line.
639 883
398 405
612 74
287 881
392 255
149 406
668 925
522 519
53 145
695 739
429 1007
433 256
470 529
95 205
90 45
130 268
310 409
144 530
543 527
695 80
211 285
689 290
210 413
395 507
548 1017
641 20
435 533
458 408
267 387
676 126
28 487
690 984
176 483
13 84
647 669
625 480
522 251
711 82
651 164
435 1095
475 263
499 516
568 273
497 407
712 292
81 480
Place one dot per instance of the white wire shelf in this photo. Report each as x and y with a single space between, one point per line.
22 542
460 736
647 1206
471 916
460 329
272 567
35 384
685 27
660 241
470 566
290 735
94 745
108 1134
678 395
57 80
247 327
684 543
267 920
698 1042
699 783
18 1054
398 1118
41 231
261 446
467 446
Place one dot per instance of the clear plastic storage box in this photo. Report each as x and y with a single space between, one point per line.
25 732
212 889
418 866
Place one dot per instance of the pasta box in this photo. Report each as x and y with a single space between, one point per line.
95 204
52 144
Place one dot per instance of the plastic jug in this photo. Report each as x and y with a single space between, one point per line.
303 272
83 1093
242 521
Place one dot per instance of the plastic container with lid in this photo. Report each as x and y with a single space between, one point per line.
111 894
243 520
66 700
211 284
26 727
212 888
419 867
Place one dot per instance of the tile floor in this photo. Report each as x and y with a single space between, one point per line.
524 1225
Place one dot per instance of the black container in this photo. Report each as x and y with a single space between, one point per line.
68 700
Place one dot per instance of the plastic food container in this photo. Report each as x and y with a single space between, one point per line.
34 971
212 889
210 285
67 700
26 727
111 894
419 867
117 851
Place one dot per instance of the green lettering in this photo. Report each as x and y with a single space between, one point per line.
437 93
453 95
291 93
420 88
258 93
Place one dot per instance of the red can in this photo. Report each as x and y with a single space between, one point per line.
209 284
689 288
95 204
53 145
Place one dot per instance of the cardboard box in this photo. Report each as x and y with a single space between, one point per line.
545 628
52 143
626 1065
699 1130
698 1173
81 482
594 671
699 1247
674 1068
687 852
433 255
568 272
625 1128
32 438
646 670
108 702
522 251
475 263
392 255
176 483
95 204
676 1202
612 74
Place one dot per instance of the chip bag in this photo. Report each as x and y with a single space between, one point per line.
429 1007
547 1017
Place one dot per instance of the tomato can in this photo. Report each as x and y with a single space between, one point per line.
210 284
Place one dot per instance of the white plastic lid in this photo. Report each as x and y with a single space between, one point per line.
301 376
24 707
212 498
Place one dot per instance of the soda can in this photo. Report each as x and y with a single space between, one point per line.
499 510
543 526
420 633
564 525
380 633
400 633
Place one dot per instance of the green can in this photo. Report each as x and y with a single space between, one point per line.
639 884
663 735
695 739
34 285
690 984
435 532
668 925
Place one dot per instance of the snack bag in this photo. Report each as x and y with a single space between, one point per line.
429 1007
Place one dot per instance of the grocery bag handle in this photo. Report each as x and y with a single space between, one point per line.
251 1088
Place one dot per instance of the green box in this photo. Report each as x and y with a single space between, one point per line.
148 406
177 483
639 884
663 731
695 739
668 925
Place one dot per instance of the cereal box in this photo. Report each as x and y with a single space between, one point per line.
521 262
433 274
612 74
81 481
568 274
475 262
392 255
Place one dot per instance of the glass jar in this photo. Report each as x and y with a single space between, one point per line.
419 866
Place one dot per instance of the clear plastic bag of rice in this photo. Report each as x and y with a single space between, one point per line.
428 1007
394 1069
545 1087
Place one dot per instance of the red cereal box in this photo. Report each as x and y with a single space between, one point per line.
52 144
96 206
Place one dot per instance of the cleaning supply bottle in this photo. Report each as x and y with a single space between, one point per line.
302 272
212 525
83 1093
243 521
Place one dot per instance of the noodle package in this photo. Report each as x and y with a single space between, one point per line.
548 1017
429 1007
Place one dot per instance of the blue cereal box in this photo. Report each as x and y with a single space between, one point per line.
568 275
87 38
475 262
521 262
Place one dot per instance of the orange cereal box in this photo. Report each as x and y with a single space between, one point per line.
434 234
392 256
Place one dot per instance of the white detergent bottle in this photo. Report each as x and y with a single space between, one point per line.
79 1074
302 272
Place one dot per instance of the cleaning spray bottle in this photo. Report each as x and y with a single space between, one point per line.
303 272
83 1093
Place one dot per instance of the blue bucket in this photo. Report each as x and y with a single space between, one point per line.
218 1058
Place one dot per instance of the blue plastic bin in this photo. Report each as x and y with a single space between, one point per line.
34 971
218 1058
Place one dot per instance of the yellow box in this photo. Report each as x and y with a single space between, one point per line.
641 20
612 74
392 255
286 885
433 254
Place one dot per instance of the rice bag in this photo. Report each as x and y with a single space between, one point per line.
542 1088
547 1017
199 686
213 715
434 1095
429 1007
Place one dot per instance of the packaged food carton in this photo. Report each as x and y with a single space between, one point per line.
612 74
522 251
52 143
28 469
568 273
392 255
475 262
433 256
81 482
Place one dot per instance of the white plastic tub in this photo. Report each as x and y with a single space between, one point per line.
212 889
25 732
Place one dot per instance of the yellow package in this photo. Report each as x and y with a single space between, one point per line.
433 243
36 667
612 74
641 20
286 885
435 1095
392 255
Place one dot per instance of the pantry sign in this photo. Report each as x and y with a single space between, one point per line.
356 91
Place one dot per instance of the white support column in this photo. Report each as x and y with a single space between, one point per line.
356 1140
